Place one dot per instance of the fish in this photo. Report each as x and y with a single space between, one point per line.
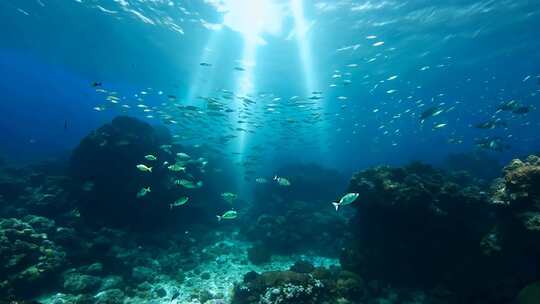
508 106
144 168
204 64
229 197
179 202
347 199
96 84
177 168
188 184
282 181
378 43
438 126
492 143
229 215
150 157
261 180
240 69
431 112
143 192
491 124
522 110
182 155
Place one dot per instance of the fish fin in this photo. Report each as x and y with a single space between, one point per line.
275 177
336 205
218 218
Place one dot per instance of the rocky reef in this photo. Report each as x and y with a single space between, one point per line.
419 227
29 257
104 170
79 233
304 283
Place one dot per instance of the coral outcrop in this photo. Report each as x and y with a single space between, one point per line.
109 186
29 257
417 226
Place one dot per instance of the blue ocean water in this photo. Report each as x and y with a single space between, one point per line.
469 56
284 106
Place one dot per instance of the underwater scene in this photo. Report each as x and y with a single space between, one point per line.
270 151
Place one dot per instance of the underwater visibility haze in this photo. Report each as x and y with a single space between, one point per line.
270 151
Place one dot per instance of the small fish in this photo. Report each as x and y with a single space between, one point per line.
491 124
150 157
182 155
188 184
508 106
282 181
229 215
204 64
96 84
176 168
438 126
522 110
378 43
431 112
143 192
347 199
229 197
144 168
179 202
261 180
240 69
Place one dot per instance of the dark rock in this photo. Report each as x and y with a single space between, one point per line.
414 226
112 282
205 276
161 292
30 260
258 254
302 267
142 274
107 158
77 283
111 296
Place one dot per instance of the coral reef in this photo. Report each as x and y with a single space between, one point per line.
418 227
30 258
104 170
324 285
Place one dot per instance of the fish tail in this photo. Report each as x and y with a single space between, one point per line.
275 177
150 169
218 218
336 205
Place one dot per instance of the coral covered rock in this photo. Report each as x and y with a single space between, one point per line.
111 189
30 258
417 226
320 285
